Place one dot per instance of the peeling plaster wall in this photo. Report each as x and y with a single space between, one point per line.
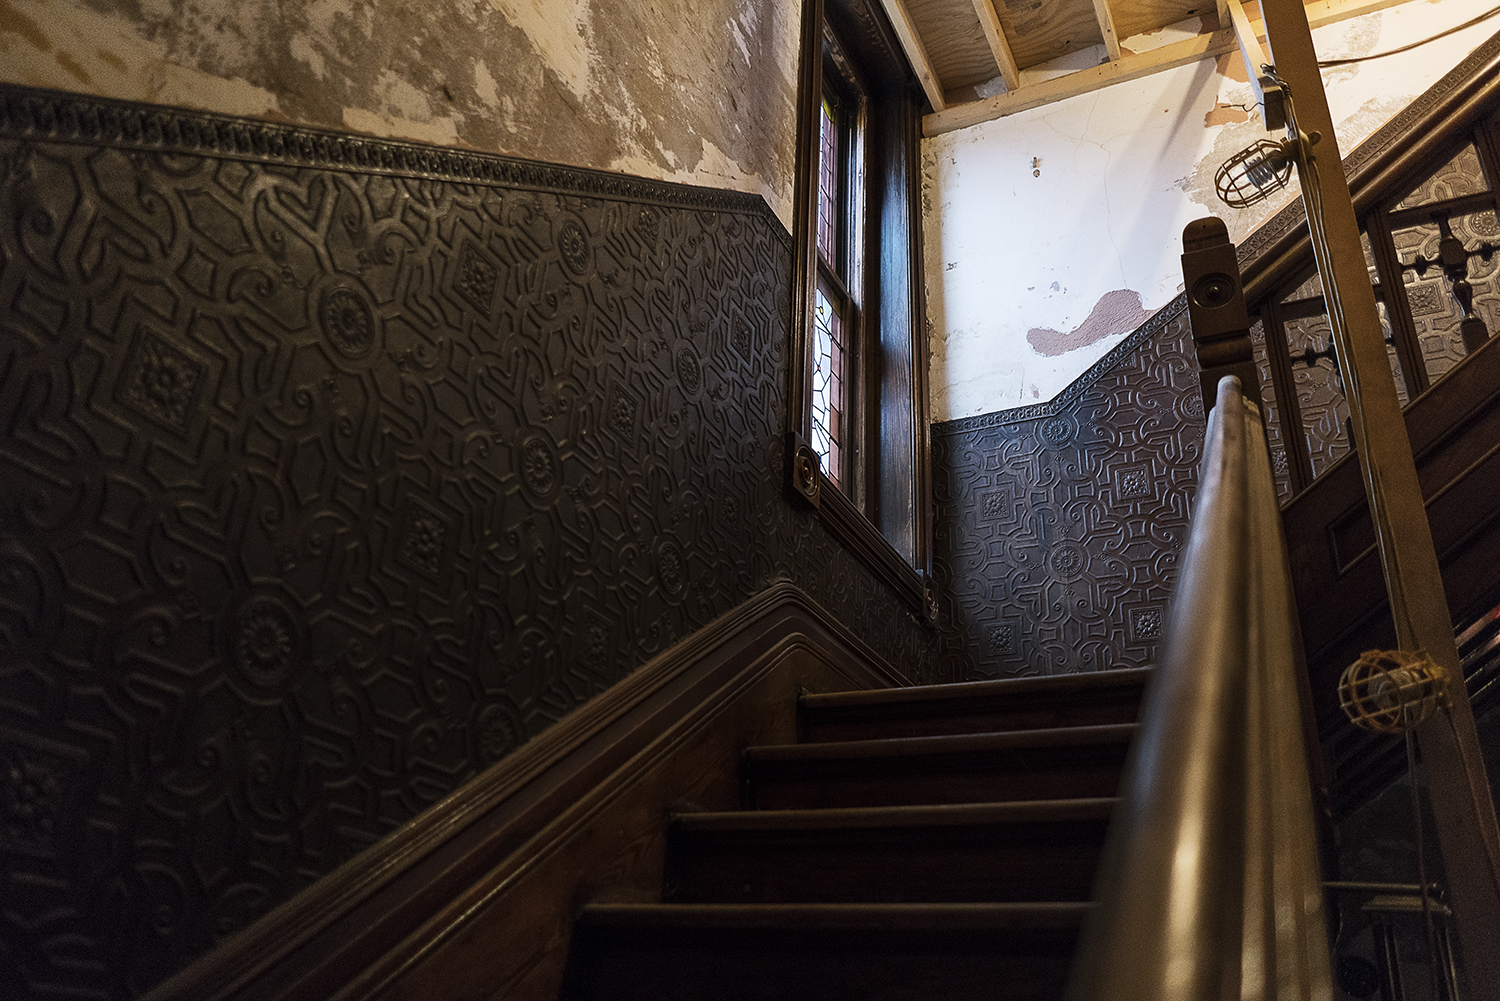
700 91
1052 233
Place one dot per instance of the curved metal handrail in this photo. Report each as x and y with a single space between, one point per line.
1210 886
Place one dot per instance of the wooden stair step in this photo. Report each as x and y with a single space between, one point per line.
1055 763
1030 851
831 952
1093 699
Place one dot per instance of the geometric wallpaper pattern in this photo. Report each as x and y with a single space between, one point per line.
1059 525
331 471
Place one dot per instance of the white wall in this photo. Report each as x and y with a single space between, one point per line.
1053 233
702 91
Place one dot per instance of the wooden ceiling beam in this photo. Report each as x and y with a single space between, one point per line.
1268 96
911 43
1034 95
1106 21
994 33
1130 67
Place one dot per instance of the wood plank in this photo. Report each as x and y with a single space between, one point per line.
994 33
987 852
1209 45
1042 31
1057 763
1189 50
911 43
955 43
976 707
833 952
1268 96
1136 17
1106 20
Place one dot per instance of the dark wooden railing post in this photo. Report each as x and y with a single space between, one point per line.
1216 308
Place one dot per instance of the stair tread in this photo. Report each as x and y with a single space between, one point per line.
842 917
1053 684
943 814
890 747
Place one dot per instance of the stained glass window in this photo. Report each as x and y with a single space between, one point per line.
828 386
834 305
828 186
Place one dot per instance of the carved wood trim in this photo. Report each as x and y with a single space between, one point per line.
377 917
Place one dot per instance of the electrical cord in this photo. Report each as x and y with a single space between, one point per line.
1331 63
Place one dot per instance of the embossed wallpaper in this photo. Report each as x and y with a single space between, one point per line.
1058 525
333 470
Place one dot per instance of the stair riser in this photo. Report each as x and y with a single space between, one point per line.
997 864
1050 773
917 720
654 965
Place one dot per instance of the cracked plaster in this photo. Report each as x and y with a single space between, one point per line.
609 84
1014 258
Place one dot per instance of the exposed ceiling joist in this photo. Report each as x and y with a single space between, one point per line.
1106 21
916 53
1024 98
1021 96
1268 96
994 33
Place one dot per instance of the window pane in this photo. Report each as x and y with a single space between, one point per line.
828 386
828 192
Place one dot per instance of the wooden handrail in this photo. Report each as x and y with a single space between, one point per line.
1210 886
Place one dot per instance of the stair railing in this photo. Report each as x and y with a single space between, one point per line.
1210 885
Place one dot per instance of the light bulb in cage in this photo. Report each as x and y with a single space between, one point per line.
1255 173
1389 691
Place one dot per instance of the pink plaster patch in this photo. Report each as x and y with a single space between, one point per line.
1116 312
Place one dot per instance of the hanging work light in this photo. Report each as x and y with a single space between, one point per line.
1255 172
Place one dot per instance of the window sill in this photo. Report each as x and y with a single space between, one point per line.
849 525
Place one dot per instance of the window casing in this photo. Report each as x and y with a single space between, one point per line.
857 424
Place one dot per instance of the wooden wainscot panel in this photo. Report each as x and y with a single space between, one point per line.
483 906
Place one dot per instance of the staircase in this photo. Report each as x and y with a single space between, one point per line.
924 842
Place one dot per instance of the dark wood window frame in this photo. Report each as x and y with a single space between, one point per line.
882 508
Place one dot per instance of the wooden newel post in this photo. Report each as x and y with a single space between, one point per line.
1216 309
1461 800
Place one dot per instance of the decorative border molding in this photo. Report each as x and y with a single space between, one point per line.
1255 251
34 115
